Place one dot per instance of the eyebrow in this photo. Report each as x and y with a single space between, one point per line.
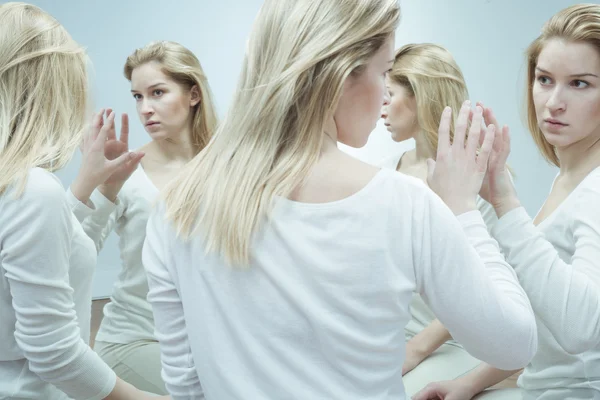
152 86
572 76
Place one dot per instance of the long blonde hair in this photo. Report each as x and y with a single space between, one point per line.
430 74
299 54
43 93
578 23
181 65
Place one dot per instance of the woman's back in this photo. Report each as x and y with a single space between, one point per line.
321 309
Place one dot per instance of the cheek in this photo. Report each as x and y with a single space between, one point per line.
138 109
540 97
354 103
395 109
378 92
593 105
588 110
171 107
375 99
181 106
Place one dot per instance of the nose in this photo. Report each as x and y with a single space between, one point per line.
384 112
556 101
146 108
386 98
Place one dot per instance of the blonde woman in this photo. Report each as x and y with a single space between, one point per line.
281 267
555 254
425 79
47 261
175 107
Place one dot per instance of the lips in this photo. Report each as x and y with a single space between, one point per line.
555 122
150 123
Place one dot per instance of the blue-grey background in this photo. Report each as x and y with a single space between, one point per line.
487 37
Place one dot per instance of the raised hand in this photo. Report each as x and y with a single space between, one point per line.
459 170
114 148
96 168
497 188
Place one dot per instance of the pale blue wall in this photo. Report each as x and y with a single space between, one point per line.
487 38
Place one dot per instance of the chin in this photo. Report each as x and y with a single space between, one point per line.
357 139
157 135
556 140
354 142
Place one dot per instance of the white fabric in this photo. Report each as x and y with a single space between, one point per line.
321 310
558 264
47 264
421 314
128 316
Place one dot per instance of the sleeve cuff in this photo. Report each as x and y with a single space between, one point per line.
512 229
506 225
103 206
471 218
111 382
78 208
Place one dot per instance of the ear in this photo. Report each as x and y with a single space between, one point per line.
194 96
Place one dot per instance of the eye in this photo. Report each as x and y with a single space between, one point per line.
137 96
544 80
157 92
579 84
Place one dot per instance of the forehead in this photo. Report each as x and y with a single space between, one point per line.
569 58
395 86
148 74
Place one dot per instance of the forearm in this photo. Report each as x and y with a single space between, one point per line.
486 279
506 205
110 191
82 189
431 338
565 296
125 391
483 377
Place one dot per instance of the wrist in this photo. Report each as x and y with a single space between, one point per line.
470 384
506 205
463 207
111 190
419 347
82 189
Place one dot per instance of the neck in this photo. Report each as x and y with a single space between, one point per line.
579 158
330 137
423 150
178 149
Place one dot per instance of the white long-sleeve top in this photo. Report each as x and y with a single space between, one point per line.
47 263
320 312
558 265
128 316
421 314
